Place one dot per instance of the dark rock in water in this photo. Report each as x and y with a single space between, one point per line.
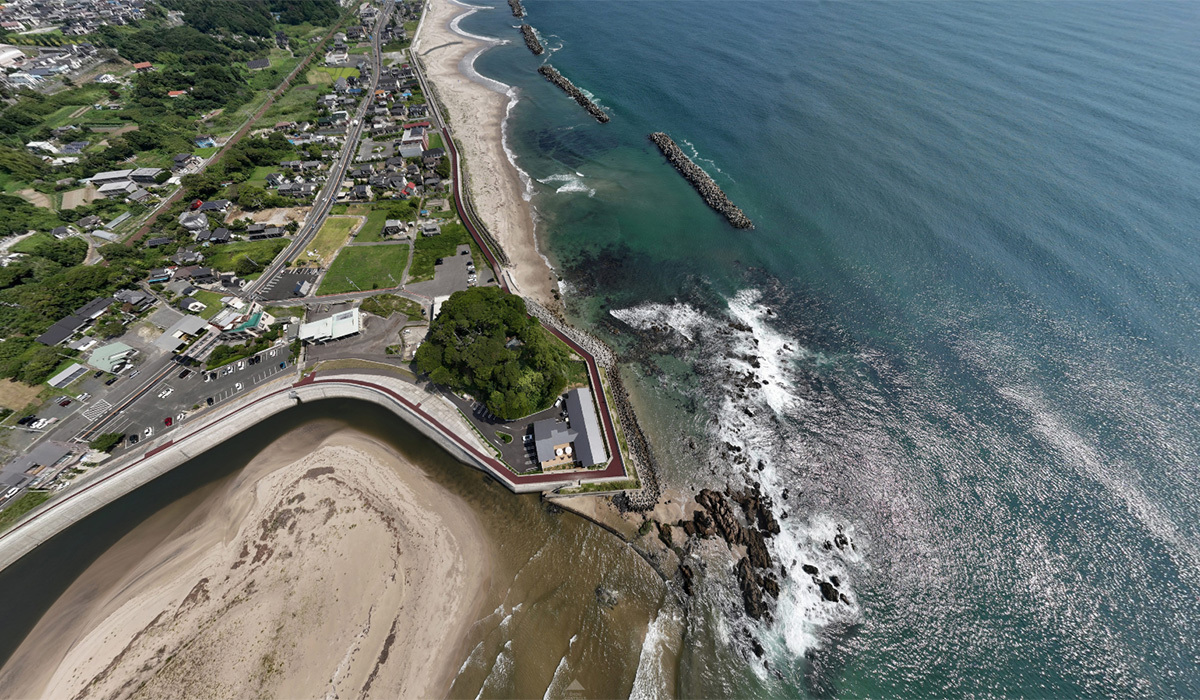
827 545
687 575
552 508
756 508
689 528
726 523
835 581
840 541
784 494
756 548
664 534
751 592
758 648
517 10
783 515
606 597
705 527
828 591
810 569
843 598
771 586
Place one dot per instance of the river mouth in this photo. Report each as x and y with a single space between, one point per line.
521 642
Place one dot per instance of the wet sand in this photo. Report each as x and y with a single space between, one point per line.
476 112
328 567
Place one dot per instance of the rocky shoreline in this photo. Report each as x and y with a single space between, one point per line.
531 40
518 9
709 190
568 87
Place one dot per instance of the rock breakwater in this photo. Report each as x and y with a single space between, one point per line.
518 9
568 87
531 40
709 190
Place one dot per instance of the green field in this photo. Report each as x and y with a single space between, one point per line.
211 299
435 141
333 235
323 75
362 268
298 104
430 248
384 305
224 257
258 177
372 231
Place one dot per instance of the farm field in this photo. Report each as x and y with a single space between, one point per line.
362 268
333 235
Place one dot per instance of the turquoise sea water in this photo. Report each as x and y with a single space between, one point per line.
970 304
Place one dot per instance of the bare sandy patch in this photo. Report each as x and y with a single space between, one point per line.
79 197
280 216
37 199
15 395
345 573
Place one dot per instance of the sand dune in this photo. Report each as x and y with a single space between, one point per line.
345 573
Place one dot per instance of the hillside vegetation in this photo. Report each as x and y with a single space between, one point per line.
485 343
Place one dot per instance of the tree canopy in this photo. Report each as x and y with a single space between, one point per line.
484 342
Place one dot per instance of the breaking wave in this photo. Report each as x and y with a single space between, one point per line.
571 182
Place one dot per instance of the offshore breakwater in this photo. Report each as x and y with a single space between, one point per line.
568 87
531 40
518 9
709 190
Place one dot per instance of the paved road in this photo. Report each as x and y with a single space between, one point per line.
327 197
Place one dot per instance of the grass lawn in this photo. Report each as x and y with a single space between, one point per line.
30 244
205 152
365 267
325 75
384 305
210 299
258 178
372 230
435 140
224 257
333 235
298 104
430 248
27 502
360 50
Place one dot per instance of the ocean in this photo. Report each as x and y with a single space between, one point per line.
969 305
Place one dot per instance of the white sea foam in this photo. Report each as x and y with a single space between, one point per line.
571 182
682 318
697 158
650 680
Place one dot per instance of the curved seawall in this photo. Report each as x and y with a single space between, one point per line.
709 190
568 87
119 480
531 40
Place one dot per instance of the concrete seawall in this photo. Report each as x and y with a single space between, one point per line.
568 87
122 478
709 190
531 40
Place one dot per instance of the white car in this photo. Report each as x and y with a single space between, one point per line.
272 353
85 396
242 364
178 417
148 432
134 373
237 387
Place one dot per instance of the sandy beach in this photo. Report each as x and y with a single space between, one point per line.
476 111
328 570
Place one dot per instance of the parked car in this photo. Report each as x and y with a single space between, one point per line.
184 374
66 402
97 374
237 387
135 373
209 401
84 396
133 438
168 421
110 382
241 364
148 432
282 365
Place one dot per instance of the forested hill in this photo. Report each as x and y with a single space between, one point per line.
252 17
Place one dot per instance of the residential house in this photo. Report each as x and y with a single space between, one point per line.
197 274
158 242
159 275
143 66
112 358
82 316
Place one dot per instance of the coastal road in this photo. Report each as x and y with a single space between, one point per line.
327 197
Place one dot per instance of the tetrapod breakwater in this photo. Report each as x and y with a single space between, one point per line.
518 9
568 87
709 190
531 40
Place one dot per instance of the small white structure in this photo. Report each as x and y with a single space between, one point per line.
67 376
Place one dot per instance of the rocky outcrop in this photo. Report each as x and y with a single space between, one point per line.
752 597
531 40
757 509
709 190
568 87
518 9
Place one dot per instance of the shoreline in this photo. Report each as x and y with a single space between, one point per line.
371 566
477 111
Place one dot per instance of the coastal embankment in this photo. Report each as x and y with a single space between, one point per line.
518 9
709 190
531 40
568 87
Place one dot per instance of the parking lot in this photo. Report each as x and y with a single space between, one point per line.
177 399
518 454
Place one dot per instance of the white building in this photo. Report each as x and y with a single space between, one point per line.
339 325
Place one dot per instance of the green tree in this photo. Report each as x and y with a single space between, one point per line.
106 442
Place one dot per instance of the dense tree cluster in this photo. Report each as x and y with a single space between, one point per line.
19 216
484 342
